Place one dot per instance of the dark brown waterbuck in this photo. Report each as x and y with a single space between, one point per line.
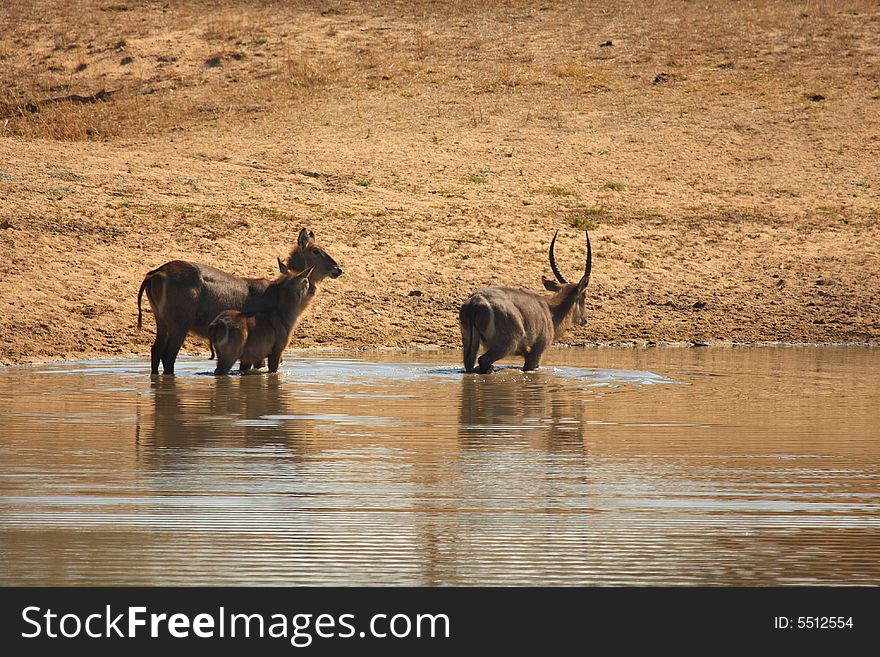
513 321
186 297
253 337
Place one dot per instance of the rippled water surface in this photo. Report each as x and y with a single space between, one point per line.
738 466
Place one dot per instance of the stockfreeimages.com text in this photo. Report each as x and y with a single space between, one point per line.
300 629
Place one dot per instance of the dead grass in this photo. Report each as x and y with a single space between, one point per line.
437 146
160 87
299 71
260 55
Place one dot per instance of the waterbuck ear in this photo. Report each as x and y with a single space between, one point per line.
305 282
282 267
304 237
550 285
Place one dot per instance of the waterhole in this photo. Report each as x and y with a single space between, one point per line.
669 466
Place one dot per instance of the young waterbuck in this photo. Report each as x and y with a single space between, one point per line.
186 297
512 321
252 337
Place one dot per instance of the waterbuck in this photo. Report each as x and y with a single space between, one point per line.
514 321
186 297
253 337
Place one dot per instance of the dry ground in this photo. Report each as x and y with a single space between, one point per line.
725 157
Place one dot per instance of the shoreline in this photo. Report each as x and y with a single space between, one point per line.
307 351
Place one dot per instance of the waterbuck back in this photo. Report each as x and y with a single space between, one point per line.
186 297
514 321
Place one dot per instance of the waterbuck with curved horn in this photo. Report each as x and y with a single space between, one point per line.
186 296
513 321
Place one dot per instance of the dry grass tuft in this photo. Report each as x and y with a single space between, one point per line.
300 71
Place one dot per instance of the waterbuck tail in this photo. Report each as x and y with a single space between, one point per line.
141 294
155 293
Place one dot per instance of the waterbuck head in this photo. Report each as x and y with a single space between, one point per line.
565 291
293 286
308 255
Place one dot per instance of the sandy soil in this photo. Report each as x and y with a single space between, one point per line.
725 157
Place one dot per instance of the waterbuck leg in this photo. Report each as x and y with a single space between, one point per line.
224 364
470 345
172 348
158 349
248 368
495 352
533 358
470 315
274 361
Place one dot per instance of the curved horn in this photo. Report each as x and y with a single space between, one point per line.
559 277
585 279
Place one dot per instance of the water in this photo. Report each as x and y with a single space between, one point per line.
719 466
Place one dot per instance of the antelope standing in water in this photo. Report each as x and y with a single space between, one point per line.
515 321
253 337
186 297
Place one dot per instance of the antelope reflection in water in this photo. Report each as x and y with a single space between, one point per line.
537 407
188 415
